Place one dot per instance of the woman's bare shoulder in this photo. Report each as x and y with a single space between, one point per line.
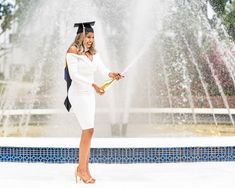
72 50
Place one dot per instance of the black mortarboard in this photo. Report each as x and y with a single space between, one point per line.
86 25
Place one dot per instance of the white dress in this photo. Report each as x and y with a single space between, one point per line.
81 94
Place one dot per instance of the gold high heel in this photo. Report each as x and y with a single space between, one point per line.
89 181
76 176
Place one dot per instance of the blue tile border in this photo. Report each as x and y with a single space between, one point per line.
118 155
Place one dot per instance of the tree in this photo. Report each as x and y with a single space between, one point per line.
6 13
219 6
9 12
228 16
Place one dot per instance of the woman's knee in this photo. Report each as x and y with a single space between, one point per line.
89 131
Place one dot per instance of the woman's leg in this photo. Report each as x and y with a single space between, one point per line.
84 151
87 162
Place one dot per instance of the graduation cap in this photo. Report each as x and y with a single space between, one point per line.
86 26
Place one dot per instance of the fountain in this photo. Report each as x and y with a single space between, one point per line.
177 60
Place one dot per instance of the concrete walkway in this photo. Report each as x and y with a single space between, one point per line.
172 175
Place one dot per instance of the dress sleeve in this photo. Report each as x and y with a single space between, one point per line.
72 63
101 67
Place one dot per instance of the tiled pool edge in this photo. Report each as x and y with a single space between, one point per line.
119 150
119 155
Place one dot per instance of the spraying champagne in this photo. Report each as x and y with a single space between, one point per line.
106 85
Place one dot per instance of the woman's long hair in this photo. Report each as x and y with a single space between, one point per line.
78 43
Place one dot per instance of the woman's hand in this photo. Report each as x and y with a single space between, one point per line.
115 75
98 89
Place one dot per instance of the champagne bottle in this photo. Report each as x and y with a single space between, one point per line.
107 84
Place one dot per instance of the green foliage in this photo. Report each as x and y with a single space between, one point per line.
218 5
228 17
6 14
230 22
9 12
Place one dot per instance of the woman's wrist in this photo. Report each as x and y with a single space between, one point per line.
111 75
93 85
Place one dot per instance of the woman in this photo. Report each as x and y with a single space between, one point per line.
82 62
